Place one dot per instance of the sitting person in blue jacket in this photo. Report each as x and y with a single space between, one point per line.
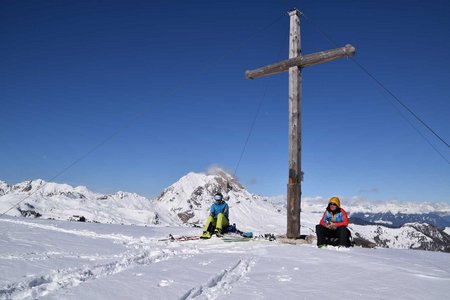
218 217
332 229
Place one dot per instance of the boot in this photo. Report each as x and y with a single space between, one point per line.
206 235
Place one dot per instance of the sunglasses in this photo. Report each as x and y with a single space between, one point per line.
217 197
332 204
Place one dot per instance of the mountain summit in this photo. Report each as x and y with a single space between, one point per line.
190 198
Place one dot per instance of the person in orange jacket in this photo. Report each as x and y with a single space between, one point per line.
332 229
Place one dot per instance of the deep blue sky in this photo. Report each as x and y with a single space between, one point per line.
168 78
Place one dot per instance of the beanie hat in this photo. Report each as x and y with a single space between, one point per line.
335 200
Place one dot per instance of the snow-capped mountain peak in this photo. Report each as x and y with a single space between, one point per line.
48 189
4 188
190 198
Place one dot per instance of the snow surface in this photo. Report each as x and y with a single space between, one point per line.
447 230
51 259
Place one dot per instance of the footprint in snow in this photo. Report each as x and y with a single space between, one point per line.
164 282
283 278
205 263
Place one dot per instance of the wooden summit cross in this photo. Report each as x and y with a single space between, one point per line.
294 64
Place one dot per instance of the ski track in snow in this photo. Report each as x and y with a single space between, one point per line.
66 278
45 255
221 283
141 251
84 233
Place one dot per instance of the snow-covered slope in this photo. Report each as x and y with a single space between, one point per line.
4 188
447 230
64 202
49 259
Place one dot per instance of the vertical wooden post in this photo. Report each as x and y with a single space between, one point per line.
294 65
295 100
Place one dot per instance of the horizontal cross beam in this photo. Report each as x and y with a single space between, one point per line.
302 62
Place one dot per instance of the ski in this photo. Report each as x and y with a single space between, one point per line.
238 237
181 238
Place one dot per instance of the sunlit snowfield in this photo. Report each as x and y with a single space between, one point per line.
48 259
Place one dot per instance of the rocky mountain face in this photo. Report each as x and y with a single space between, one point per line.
411 231
409 236
190 198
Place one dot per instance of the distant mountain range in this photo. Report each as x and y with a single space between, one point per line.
437 219
187 202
